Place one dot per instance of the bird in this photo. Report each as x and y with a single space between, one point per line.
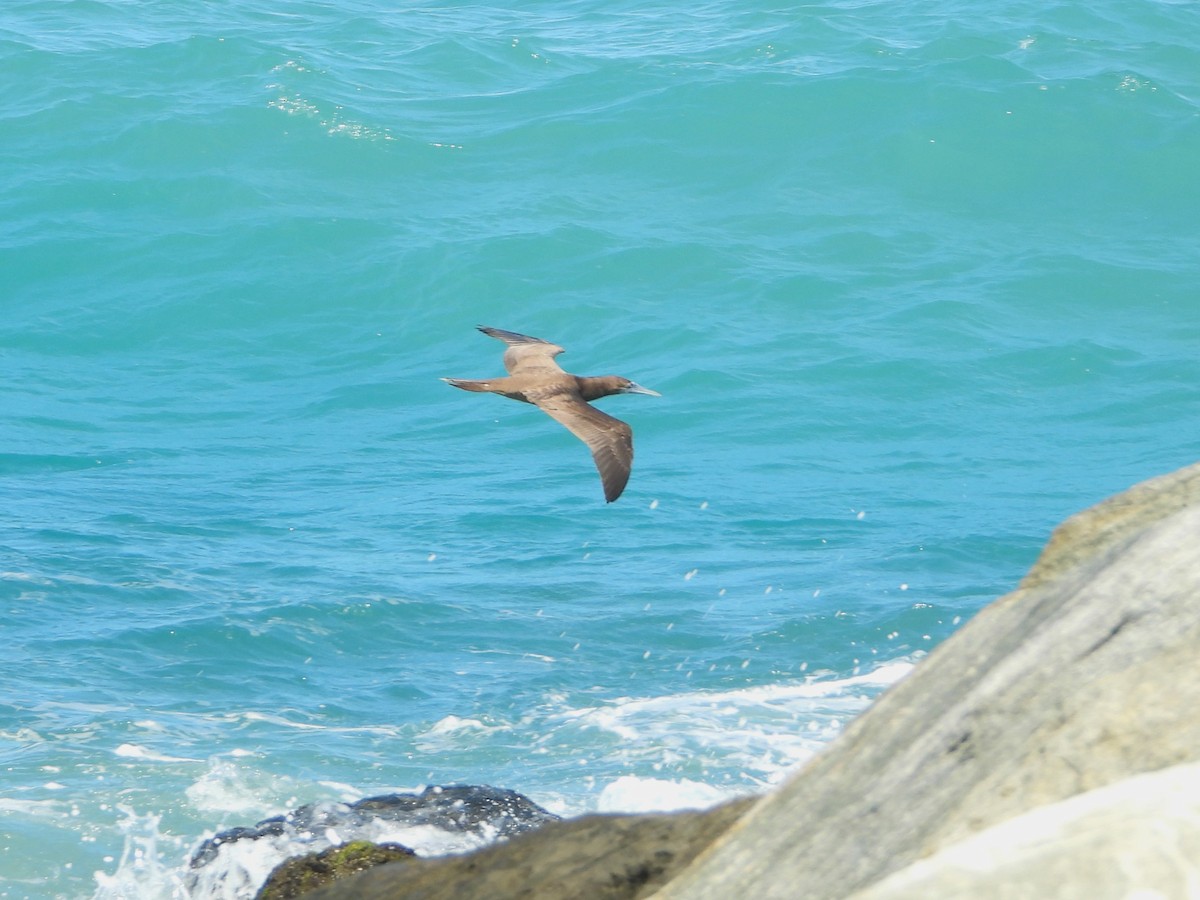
534 377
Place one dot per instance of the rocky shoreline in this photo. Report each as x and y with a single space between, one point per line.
1050 748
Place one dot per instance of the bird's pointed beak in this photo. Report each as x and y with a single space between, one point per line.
635 388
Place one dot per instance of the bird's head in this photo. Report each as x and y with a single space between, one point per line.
625 386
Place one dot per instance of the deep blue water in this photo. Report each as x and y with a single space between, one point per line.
915 284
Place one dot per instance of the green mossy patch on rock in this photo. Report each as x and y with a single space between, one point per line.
301 874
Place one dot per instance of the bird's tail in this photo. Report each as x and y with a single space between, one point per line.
468 384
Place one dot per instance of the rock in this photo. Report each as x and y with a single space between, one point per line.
473 808
1137 837
589 858
1082 680
1083 676
299 875
237 861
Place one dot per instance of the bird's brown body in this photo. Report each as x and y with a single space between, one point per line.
534 377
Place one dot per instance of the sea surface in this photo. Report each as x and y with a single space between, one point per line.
916 281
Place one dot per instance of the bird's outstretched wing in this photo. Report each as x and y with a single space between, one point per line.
609 439
525 353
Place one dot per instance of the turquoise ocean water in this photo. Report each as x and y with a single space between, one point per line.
915 280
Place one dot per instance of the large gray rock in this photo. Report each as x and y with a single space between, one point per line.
1087 675
1139 837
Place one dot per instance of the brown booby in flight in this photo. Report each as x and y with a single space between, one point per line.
534 377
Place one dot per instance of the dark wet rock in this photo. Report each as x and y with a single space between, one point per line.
459 808
235 862
302 874
453 808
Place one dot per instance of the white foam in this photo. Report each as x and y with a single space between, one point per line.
135 751
282 721
142 872
765 731
31 808
453 724
451 731
242 867
426 840
232 790
22 736
252 716
632 794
